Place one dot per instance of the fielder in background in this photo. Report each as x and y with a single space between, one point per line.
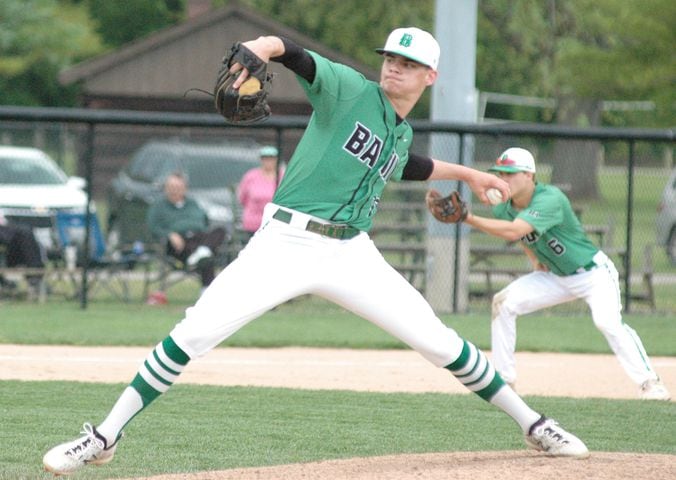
257 188
314 240
566 266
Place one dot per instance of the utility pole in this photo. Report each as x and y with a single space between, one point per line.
454 99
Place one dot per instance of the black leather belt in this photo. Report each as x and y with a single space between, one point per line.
342 232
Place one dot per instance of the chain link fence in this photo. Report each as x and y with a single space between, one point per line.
615 179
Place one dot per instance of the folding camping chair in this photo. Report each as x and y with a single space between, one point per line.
99 267
169 271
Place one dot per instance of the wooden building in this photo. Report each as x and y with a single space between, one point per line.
154 73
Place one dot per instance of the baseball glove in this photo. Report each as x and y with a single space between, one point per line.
449 209
247 104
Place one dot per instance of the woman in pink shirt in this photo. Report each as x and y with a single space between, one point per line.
257 188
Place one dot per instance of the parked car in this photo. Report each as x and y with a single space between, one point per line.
33 188
213 172
666 218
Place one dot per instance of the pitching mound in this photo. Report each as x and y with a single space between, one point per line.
518 465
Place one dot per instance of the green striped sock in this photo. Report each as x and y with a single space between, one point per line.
160 370
475 372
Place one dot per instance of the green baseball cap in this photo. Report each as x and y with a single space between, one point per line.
268 151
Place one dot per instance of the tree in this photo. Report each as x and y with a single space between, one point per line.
616 50
121 22
37 39
593 49
621 51
580 52
589 49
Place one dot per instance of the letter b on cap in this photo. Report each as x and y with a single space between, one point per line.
406 40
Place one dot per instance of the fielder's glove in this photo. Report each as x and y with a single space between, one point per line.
247 104
449 209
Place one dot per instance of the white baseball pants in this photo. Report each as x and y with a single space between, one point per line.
598 287
283 260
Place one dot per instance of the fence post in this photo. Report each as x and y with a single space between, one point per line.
630 208
88 159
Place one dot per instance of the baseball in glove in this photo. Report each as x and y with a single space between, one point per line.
449 209
248 103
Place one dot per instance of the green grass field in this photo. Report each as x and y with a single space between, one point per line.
194 428
198 428
306 322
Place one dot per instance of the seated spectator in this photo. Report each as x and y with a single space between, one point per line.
21 250
182 224
256 189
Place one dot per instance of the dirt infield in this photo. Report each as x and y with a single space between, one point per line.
522 465
368 370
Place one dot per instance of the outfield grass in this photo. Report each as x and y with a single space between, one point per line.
306 322
196 428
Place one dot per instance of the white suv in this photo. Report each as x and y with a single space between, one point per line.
666 218
33 188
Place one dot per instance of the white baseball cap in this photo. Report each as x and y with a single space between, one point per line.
514 160
415 44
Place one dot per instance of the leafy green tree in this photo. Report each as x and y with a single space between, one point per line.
584 49
354 27
569 49
621 51
514 44
580 52
572 49
120 22
614 51
37 39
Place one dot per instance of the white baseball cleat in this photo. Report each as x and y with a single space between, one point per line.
68 457
547 436
653 390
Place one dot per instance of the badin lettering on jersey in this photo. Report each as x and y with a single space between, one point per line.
367 147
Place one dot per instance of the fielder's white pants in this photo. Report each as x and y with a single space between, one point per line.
598 287
283 261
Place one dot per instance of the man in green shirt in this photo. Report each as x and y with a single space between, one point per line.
180 224
566 266
314 240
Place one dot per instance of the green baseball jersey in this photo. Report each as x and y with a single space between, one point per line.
352 146
558 239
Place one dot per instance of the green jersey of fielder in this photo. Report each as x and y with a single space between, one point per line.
558 239
314 239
